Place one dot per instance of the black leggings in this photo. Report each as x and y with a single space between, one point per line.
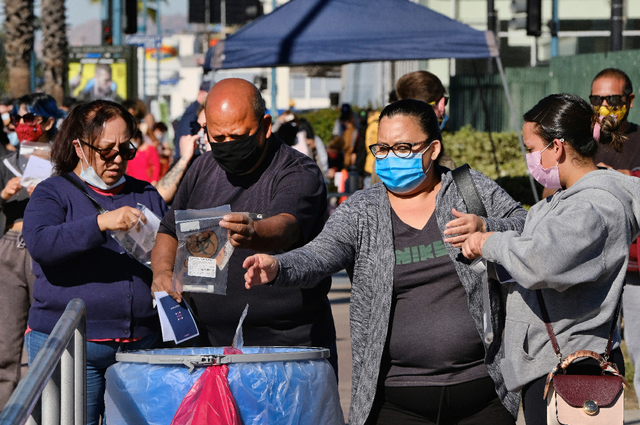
473 402
534 405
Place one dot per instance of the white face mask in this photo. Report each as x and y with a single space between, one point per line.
90 176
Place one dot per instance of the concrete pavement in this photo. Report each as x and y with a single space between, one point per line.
339 298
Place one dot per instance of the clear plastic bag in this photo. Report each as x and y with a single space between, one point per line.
203 251
140 239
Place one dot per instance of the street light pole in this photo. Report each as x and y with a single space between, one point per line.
616 25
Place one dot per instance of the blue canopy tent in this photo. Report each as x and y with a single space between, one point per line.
304 32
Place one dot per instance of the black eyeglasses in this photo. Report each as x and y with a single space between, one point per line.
127 152
614 100
28 118
401 150
195 127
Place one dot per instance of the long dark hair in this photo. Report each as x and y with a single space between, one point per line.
569 117
85 122
43 105
422 112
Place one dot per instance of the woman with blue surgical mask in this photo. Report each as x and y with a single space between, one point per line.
68 225
416 308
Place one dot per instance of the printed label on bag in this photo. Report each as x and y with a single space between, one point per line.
189 226
201 267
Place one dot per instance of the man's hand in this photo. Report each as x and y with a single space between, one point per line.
162 258
163 282
188 146
462 226
472 246
261 269
13 186
241 228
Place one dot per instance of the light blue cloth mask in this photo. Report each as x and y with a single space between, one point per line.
401 175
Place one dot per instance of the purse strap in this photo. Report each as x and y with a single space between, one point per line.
468 190
77 185
552 337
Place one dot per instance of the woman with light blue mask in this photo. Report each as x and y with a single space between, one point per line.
416 305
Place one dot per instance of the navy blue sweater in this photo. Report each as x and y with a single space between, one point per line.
72 258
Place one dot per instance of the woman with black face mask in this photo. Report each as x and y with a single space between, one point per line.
34 117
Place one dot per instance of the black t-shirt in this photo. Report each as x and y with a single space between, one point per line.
433 339
628 158
286 182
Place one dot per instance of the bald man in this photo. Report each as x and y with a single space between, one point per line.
254 171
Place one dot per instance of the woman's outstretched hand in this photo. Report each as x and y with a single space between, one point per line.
472 246
461 227
261 269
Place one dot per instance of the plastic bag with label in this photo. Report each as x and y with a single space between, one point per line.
140 239
203 251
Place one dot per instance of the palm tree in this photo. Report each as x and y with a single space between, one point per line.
54 48
19 27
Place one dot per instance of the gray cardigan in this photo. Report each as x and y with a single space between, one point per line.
359 238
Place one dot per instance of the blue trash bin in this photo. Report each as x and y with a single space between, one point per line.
271 385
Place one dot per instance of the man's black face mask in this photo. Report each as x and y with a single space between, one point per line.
238 156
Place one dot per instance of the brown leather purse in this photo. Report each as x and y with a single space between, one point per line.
583 399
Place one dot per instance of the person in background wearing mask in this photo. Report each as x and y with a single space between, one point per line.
612 95
190 114
34 117
419 355
8 140
254 171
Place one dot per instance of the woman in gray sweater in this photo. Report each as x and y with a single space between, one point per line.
573 251
416 306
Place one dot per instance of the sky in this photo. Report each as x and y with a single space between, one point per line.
81 11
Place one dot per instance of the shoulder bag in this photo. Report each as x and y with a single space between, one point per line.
583 399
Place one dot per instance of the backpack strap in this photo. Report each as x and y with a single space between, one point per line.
468 190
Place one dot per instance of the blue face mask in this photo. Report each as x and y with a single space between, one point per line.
13 138
443 122
402 175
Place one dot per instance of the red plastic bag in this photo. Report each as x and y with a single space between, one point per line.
209 401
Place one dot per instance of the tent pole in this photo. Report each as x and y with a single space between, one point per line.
514 122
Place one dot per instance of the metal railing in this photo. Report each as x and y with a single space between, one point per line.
56 380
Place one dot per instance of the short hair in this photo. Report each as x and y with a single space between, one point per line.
257 103
618 74
420 85
86 123
160 126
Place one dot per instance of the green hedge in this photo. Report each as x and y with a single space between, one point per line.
467 145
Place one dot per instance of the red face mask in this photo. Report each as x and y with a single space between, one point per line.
29 133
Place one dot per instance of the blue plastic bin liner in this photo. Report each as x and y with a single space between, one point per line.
300 392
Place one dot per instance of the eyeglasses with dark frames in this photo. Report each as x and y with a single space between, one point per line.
401 150
195 127
28 118
614 100
127 152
